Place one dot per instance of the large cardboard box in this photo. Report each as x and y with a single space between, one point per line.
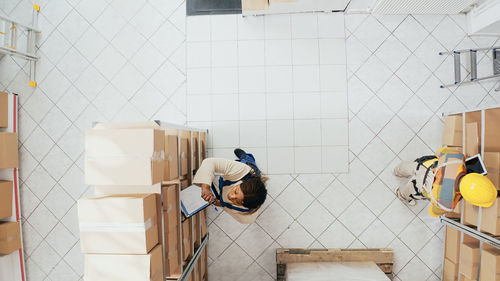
450 270
492 163
187 239
171 158
469 259
147 267
452 132
124 156
490 218
490 265
6 188
4 110
471 214
10 237
184 157
471 139
171 206
452 244
8 150
118 224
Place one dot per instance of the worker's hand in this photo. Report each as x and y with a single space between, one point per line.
206 194
217 203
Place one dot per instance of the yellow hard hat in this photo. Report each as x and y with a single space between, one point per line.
478 190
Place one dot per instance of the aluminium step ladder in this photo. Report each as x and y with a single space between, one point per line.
473 65
11 30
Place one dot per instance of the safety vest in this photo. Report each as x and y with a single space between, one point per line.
446 168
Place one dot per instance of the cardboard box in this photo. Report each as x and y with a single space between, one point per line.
196 150
471 214
184 157
452 244
204 263
8 150
490 218
490 265
118 224
10 237
254 5
4 110
124 156
148 267
452 132
465 278
492 163
173 263
450 270
469 259
203 146
471 139
171 207
187 239
196 230
184 183
203 219
171 158
6 189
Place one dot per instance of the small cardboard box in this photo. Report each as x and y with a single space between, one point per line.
173 263
196 230
6 188
147 267
124 156
171 158
471 214
203 219
490 218
171 206
8 150
490 265
471 139
184 157
10 237
4 110
469 259
492 163
450 270
118 224
452 244
187 239
204 262
452 132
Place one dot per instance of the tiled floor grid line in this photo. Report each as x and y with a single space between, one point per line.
394 101
248 47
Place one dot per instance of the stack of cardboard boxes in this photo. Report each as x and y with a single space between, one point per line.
10 230
133 221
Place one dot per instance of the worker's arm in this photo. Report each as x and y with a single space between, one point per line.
228 169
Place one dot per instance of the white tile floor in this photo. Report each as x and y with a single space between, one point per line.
97 73
274 85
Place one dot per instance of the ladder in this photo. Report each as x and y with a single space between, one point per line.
473 65
11 30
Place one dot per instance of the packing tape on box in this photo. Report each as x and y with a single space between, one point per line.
8 239
115 227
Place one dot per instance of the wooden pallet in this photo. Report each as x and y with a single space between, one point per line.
384 258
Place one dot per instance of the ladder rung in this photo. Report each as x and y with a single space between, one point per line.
473 65
456 58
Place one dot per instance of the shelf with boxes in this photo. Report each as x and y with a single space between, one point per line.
134 220
12 265
472 247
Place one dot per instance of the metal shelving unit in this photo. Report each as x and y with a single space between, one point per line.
459 224
12 266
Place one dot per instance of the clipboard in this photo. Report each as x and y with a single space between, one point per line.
191 201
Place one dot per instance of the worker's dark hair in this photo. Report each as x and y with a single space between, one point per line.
254 191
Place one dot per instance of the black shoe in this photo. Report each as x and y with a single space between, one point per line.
238 152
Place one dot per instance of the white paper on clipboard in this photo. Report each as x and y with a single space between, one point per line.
191 200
